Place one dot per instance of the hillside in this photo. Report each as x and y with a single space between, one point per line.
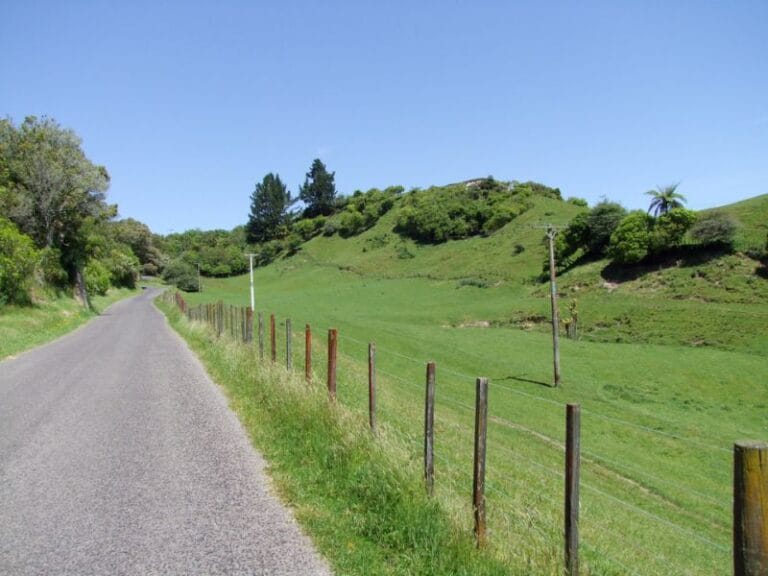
752 214
708 299
668 369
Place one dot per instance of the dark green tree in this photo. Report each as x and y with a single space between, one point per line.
318 191
269 210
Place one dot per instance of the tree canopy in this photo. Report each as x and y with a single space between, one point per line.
665 199
318 191
53 191
269 210
55 198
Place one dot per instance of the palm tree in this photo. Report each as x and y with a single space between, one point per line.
665 199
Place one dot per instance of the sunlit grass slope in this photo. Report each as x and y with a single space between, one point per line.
658 420
669 371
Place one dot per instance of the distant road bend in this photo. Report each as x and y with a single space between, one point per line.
119 456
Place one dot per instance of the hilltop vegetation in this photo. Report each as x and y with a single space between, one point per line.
630 276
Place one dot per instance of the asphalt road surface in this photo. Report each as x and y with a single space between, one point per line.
118 455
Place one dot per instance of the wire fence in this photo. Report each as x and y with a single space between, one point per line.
671 490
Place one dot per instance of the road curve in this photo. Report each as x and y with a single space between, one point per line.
118 455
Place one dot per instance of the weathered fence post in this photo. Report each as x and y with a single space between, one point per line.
249 325
272 338
261 335
478 482
372 385
288 342
429 429
219 318
572 469
750 508
308 353
332 339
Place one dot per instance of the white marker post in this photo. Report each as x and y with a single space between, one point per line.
253 301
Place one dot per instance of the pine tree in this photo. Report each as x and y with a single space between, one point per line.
269 210
319 190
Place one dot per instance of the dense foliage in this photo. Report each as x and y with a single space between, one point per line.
55 197
364 209
466 209
318 191
715 229
269 210
18 259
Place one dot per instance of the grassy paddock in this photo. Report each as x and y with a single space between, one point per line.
358 496
24 327
658 421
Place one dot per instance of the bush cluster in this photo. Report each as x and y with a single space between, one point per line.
364 209
18 259
467 209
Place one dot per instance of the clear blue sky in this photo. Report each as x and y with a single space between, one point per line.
188 104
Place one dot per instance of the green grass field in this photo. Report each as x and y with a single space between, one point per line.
669 371
658 420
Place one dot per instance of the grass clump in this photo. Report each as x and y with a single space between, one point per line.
24 327
359 496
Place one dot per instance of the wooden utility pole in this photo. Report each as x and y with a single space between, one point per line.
551 233
253 299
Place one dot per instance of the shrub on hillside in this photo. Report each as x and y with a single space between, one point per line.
670 228
97 277
306 228
601 221
716 229
123 267
182 275
51 269
631 239
467 209
351 223
18 258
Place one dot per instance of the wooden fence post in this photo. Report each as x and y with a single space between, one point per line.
429 429
249 325
308 353
261 335
288 342
332 339
750 508
372 385
572 469
478 482
272 338
219 318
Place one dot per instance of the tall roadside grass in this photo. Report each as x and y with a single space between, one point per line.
24 327
359 496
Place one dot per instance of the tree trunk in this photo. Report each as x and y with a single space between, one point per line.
82 291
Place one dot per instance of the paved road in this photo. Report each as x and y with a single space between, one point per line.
119 456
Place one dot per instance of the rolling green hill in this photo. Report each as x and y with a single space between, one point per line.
752 214
703 300
669 370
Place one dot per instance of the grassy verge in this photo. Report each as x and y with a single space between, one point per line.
658 421
24 327
360 497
